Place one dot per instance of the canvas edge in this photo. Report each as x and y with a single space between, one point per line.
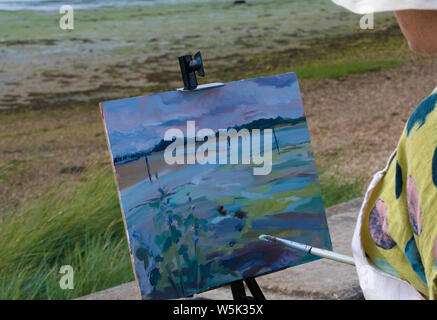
330 246
126 231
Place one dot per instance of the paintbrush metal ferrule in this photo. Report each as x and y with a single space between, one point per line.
288 243
266 237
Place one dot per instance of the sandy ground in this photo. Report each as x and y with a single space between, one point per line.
357 121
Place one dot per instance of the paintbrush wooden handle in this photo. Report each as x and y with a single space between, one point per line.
332 255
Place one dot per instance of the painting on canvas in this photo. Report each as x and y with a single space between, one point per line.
202 174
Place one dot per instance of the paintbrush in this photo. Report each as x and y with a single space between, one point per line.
309 249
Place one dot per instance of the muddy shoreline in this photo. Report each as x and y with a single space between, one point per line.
120 52
230 68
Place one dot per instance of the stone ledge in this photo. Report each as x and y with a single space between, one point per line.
321 279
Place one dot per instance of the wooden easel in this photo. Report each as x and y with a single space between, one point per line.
239 292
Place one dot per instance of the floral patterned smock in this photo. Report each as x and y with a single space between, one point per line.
398 226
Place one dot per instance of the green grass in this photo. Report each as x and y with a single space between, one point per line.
77 224
335 190
343 69
80 224
10 169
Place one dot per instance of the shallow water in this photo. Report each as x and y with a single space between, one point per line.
54 5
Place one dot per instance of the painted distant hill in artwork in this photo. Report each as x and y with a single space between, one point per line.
260 124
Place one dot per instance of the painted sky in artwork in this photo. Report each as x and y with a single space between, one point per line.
138 124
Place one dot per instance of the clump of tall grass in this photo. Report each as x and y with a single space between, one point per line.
77 223
336 190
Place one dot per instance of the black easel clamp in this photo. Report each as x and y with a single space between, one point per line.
189 67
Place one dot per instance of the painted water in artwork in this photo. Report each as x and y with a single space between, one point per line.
194 225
